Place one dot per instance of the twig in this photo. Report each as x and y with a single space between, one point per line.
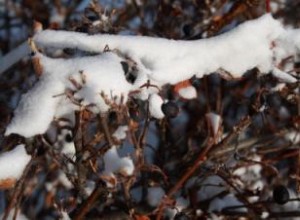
103 121
141 138
89 202
243 124
201 158
79 143
18 189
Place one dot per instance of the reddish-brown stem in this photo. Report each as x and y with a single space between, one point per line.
244 123
89 202
201 158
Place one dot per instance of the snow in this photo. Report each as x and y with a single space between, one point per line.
36 109
170 61
293 136
101 82
63 179
39 106
64 216
13 163
20 216
283 76
188 92
215 121
114 164
155 195
67 147
155 103
181 203
120 133
251 174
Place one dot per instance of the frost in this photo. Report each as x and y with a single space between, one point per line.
13 163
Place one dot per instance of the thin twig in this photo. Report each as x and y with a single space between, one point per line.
89 202
201 158
104 124
18 188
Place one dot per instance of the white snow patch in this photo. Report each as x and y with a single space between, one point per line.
113 163
188 92
155 103
214 121
293 136
64 216
181 203
20 216
63 179
68 148
36 109
283 76
13 163
120 133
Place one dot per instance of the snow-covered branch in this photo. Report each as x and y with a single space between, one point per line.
98 82
170 61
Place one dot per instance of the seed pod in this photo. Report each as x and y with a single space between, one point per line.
281 194
170 109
